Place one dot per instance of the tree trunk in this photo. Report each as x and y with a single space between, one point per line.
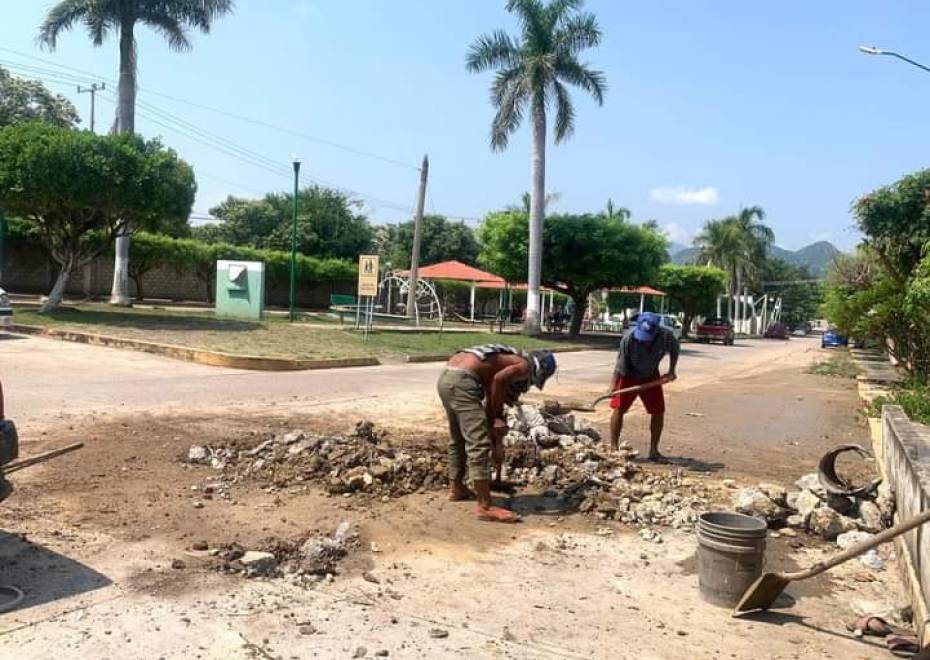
537 212
61 283
574 329
739 300
126 123
686 325
137 280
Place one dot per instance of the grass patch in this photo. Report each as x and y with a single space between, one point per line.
913 397
274 336
838 365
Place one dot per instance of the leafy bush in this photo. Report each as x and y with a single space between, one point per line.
914 398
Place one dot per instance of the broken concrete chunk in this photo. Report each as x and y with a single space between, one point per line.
775 493
810 482
870 517
806 502
754 502
256 562
847 540
198 454
829 524
839 503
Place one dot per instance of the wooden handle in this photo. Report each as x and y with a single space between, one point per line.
633 388
27 462
859 548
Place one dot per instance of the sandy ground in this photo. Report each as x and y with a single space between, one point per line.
91 537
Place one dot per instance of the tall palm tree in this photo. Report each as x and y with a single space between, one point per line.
532 71
620 212
173 19
720 244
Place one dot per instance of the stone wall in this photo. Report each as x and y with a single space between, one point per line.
906 455
29 271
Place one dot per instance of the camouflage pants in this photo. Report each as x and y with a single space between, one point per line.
462 396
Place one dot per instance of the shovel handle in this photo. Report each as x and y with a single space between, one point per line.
633 388
859 548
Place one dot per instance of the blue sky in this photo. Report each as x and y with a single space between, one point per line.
712 105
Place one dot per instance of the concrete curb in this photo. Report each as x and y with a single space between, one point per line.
211 358
442 357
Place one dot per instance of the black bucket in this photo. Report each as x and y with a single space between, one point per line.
731 554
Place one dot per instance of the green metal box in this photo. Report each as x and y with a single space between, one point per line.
240 289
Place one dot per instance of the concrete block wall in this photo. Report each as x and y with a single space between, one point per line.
906 455
30 271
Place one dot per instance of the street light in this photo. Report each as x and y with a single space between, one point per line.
872 50
291 297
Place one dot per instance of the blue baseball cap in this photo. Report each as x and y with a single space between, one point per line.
647 325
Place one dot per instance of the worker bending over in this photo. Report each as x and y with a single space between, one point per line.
641 350
474 387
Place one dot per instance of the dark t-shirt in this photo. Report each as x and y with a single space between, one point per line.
638 360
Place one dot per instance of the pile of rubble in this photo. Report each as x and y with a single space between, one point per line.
843 519
548 448
305 561
363 461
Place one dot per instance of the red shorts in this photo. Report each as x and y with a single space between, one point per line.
653 398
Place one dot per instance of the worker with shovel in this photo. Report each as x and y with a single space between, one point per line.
642 348
474 387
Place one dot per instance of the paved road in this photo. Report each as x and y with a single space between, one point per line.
45 378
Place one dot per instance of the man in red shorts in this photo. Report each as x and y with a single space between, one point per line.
641 350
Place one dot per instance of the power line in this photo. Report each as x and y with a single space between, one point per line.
226 113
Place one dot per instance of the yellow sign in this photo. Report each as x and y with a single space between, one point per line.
368 275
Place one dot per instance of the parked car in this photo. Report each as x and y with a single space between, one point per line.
6 311
832 339
776 331
9 448
666 321
715 328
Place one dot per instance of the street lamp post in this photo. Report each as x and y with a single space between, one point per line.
872 50
292 296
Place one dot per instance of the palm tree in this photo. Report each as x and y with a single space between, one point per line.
172 19
720 244
621 212
531 75
526 201
738 244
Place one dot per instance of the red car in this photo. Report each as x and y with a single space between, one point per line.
715 328
9 448
776 331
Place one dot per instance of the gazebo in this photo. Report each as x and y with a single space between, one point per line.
644 291
459 272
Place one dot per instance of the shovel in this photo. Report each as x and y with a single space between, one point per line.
589 407
767 588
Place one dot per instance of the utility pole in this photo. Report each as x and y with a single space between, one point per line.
415 253
92 90
292 295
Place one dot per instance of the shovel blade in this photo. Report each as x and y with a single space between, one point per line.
762 594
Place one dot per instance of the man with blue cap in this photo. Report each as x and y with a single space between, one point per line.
474 387
642 348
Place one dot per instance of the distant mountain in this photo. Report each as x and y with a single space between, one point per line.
816 257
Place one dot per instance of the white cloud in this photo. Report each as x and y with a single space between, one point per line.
681 195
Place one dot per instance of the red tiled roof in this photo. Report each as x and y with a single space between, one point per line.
646 290
456 270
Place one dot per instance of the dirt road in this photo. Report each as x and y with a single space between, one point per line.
92 537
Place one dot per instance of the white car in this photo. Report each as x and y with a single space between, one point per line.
6 312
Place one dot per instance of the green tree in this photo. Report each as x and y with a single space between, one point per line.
77 185
586 253
532 72
440 240
692 289
329 223
621 212
23 100
173 19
